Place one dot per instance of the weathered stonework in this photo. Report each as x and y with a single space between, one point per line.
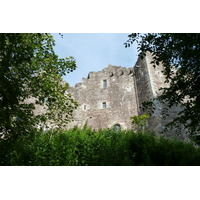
148 82
121 91
105 98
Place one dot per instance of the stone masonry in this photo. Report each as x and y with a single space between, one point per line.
105 98
110 97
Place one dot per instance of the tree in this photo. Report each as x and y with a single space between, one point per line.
30 70
180 56
139 122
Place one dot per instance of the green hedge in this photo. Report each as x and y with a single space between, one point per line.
84 147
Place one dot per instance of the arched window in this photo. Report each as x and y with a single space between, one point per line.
117 127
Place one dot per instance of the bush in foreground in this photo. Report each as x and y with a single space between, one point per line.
84 147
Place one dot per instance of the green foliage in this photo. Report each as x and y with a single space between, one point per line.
179 54
140 122
84 147
29 68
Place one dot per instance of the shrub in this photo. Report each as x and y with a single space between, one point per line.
85 147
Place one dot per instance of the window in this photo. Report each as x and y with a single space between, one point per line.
104 104
117 127
84 107
104 83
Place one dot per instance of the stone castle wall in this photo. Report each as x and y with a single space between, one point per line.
103 106
110 97
105 98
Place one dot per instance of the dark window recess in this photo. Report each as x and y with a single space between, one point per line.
84 107
104 104
121 73
111 74
104 83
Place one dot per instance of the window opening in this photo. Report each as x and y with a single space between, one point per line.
104 83
84 107
104 104
117 127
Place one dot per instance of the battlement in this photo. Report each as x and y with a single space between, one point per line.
105 98
110 71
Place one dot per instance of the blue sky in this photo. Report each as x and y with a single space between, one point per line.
94 52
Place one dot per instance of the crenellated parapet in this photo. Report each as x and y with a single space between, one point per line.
105 98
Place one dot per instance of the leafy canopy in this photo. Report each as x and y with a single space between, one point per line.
180 56
140 122
31 76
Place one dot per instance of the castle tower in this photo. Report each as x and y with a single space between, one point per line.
148 81
106 98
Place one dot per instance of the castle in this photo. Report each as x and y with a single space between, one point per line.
110 97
